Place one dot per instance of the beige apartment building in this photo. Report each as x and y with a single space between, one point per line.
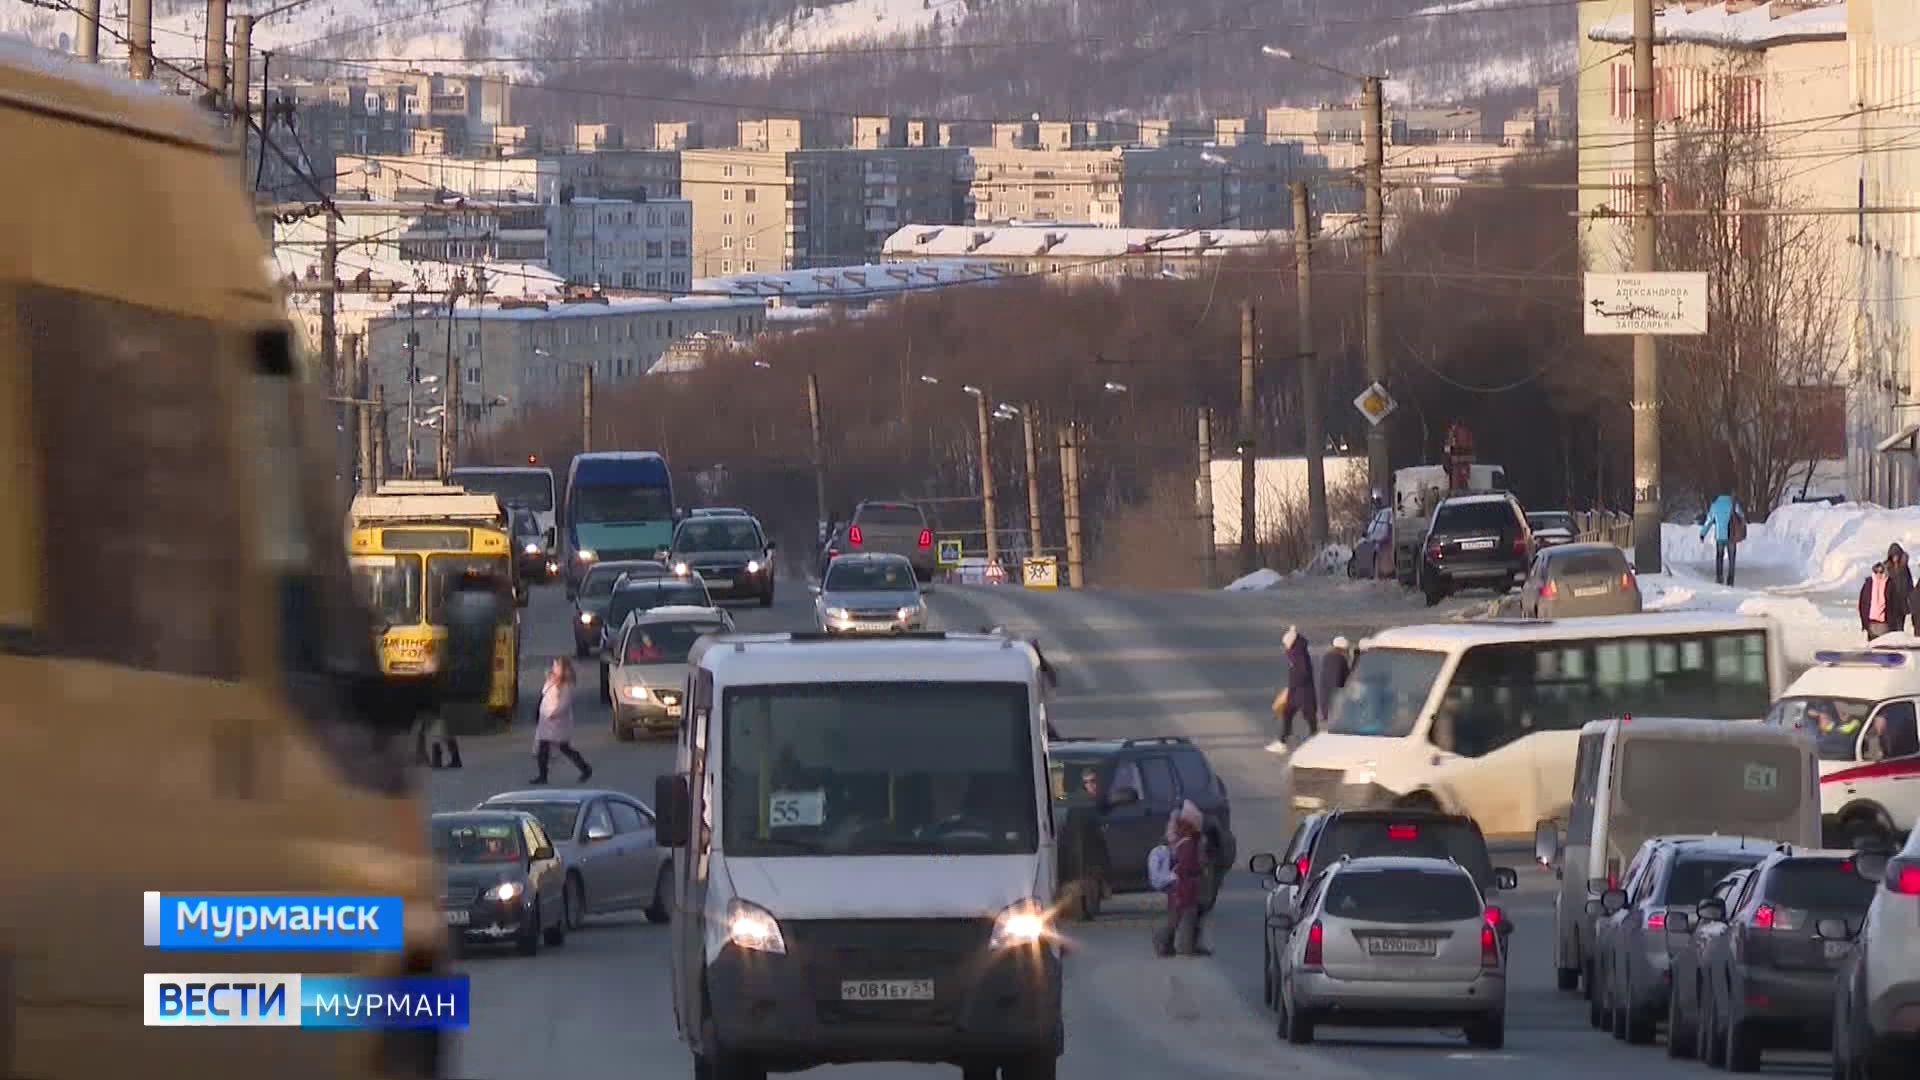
1243 186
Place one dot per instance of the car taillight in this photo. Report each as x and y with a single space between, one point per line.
926 538
1656 920
1435 551
1549 590
1903 877
1626 582
1403 832
1301 864
1494 915
1764 917
854 537
1489 948
1519 545
1316 939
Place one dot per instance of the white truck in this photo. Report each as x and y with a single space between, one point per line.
1417 491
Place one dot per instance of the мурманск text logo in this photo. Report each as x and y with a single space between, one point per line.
266 922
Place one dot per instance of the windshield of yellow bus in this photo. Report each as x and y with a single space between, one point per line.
390 587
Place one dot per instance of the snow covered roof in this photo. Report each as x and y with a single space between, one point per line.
1067 241
1762 26
847 282
620 305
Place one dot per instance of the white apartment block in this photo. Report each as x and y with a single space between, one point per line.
622 244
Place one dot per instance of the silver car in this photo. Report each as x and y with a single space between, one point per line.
605 840
1394 942
870 594
647 671
1580 579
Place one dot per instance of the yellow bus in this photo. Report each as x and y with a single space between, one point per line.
188 692
407 545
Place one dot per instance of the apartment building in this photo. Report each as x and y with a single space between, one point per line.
1198 186
621 243
490 173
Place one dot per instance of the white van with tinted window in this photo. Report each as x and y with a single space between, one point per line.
1482 718
1639 777
863 856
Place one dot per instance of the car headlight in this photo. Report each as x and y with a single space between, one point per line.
680 569
585 555
752 927
907 613
1024 922
838 613
505 891
753 566
531 549
639 693
586 618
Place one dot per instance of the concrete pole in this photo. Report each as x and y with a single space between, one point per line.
216 58
987 514
1204 511
1249 523
140 38
1646 349
586 408
360 381
1076 563
1379 461
1312 399
379 437
242 94
88 31
819 448
1034 535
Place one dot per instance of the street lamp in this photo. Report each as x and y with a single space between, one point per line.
586 394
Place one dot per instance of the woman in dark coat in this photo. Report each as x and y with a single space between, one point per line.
1300 693
1899 588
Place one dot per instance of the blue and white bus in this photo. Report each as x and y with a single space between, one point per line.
619 506
528 487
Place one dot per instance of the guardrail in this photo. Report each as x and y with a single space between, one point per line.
1605 527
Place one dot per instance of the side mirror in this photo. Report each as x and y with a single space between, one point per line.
597 833
1282 923
1546 843
1711 911
1613 900
671 808
814 589
1125 796
1594 907
1871 865
1832 930
473 611
1506 877
772 547
1263 864
1679 922
1596 886
543 853
1287 874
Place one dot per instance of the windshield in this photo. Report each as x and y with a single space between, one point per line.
467 842
555 817
1572 563
1692 879
652 595
1424 839
888 576
1385 693
1835 722
531 490
390 587
1402 896
599 580
1734 786
1551 521
1474 517
1819 884
1074 780
525 525
892 768
739 534
665 642
599 505
444 570
890 517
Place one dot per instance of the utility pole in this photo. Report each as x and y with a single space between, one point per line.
1249 555
379 428
140 38
1205 509
413 379
1034 544
88 32
1379 463
359 386
449 399
987 515
819 451
586 407
1646 349
330 273
216 53
1070 500
242 94
1312 400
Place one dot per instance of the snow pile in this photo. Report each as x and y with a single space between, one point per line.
1765 546
1332 559
1837 545
1254 582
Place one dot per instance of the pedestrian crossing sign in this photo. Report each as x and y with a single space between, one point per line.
949 552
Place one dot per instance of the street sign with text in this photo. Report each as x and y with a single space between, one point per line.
1670 303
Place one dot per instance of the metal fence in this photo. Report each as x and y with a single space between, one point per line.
1605 527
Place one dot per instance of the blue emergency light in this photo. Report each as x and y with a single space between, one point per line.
1871 659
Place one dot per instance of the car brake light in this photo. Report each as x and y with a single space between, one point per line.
926 537
1402 832
1626 582
1903 877
1763 917
1435 551
1316 938
854 537
1489 948
1520 545
1656 920
1301 864
1494 915
1549 590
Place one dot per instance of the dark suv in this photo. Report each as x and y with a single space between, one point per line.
1475 542
1112 799
1767 976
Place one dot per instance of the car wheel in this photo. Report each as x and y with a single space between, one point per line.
1299 1027
1616 1009
1042 1065
658 911
1743 1049
1566 980
528 943
576 902
1488 1034
1639 1026
622 732
556 935
606 685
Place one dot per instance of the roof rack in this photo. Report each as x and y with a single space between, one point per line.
897 635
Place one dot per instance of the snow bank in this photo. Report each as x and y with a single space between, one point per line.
1259 579
1332 559
1837 545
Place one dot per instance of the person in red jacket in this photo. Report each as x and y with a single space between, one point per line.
1182 930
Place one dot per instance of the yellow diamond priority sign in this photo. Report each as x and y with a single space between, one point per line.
1375 403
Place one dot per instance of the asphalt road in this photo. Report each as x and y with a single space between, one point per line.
1204 665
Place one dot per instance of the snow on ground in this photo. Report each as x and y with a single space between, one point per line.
858 20
1259 579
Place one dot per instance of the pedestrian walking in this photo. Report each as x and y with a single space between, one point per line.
1727 521
1899 588
555 729
430 731
1875 596
1297 699
1182 930
1335 664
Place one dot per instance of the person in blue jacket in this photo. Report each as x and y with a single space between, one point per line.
1727 521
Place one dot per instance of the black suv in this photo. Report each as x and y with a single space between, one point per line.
1475 542
730 551
1112 799
1768 977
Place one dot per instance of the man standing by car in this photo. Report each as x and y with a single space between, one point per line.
1728 523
